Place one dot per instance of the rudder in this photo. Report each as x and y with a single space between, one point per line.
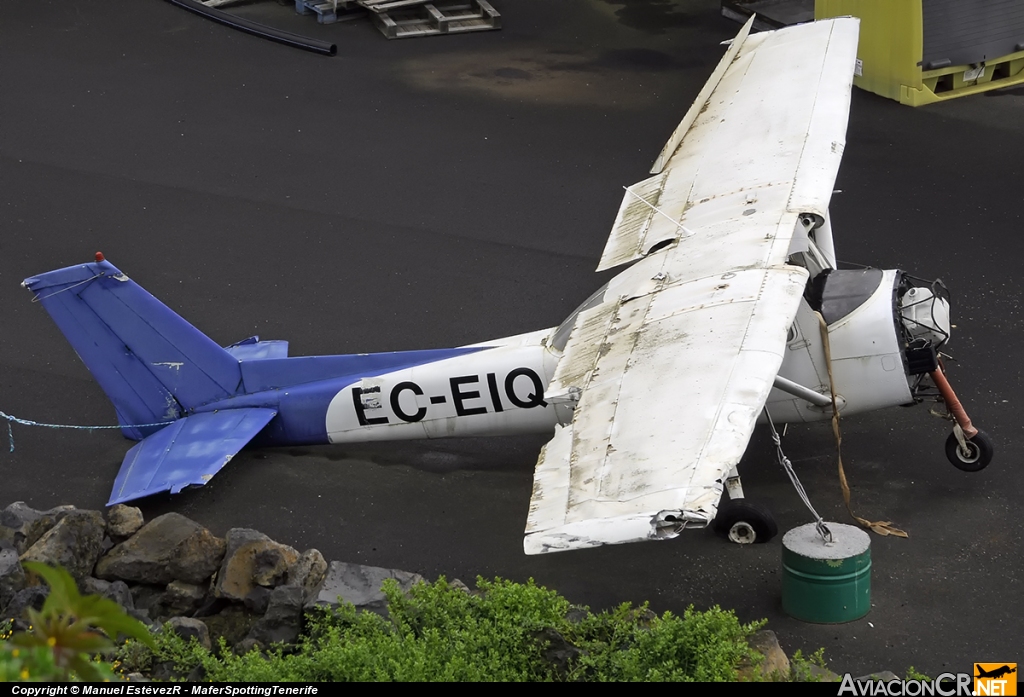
152 364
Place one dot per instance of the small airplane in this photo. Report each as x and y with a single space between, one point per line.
995 672
730 306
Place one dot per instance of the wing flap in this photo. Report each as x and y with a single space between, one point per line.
188 452
666 409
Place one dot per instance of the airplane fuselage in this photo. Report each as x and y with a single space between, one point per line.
498 387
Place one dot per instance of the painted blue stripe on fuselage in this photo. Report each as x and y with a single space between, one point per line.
275 373
302 387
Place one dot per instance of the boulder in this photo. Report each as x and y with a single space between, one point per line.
360 585
252 559
74 543
168 548
123 521
188 627
308 572
21 526
31 597
775 663
282 622
12 576
182 598
147 597
258 600
232 623
117 591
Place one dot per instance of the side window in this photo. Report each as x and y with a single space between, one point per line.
811 259
561 336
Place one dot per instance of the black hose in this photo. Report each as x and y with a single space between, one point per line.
261 30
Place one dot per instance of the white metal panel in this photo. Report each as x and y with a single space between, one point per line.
667 407
771 127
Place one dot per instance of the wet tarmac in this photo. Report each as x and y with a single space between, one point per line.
440 191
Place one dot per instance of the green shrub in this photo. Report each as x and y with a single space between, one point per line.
502 632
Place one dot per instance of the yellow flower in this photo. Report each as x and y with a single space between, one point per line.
51 641
16 653
24 674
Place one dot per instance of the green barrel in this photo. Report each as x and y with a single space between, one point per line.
826 583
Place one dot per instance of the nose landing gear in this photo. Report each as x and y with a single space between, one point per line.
967 448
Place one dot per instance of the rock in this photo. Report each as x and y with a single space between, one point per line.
308 572
21 526
137 677
459 586
818 674
147 597
360 585
123 521
188 627
775 663
74 543
258 600
252 559
120 594
557 650
182 598
577 615
168 548
232 623
883 675
117 591
31 597
246 645
282 622
12 576
144 617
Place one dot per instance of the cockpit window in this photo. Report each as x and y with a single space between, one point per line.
561 336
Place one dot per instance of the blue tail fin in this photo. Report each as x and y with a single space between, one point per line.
152 364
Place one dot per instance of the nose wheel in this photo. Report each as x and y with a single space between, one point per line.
967 448
972 454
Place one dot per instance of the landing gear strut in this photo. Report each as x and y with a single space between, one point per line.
741 521
967 448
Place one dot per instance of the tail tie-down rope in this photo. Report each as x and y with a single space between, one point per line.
883 527
11 420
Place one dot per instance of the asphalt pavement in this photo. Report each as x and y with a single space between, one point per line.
440 191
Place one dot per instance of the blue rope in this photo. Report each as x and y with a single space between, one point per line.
11 420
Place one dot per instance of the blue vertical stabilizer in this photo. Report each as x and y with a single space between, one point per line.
152 364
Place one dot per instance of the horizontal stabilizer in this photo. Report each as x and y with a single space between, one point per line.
186 453
252 349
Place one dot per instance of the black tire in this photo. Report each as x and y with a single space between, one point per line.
981 452
743 522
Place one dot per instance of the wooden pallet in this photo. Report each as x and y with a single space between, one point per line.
400 19
330 11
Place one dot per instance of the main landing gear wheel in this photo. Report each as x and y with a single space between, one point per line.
743 522
977 455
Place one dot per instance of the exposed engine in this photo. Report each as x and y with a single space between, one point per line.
923 308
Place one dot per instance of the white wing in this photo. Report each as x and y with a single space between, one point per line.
672 369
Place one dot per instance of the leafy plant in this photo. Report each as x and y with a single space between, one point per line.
68 635
502 631
808 668
914 674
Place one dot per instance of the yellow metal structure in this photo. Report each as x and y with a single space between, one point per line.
890 53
